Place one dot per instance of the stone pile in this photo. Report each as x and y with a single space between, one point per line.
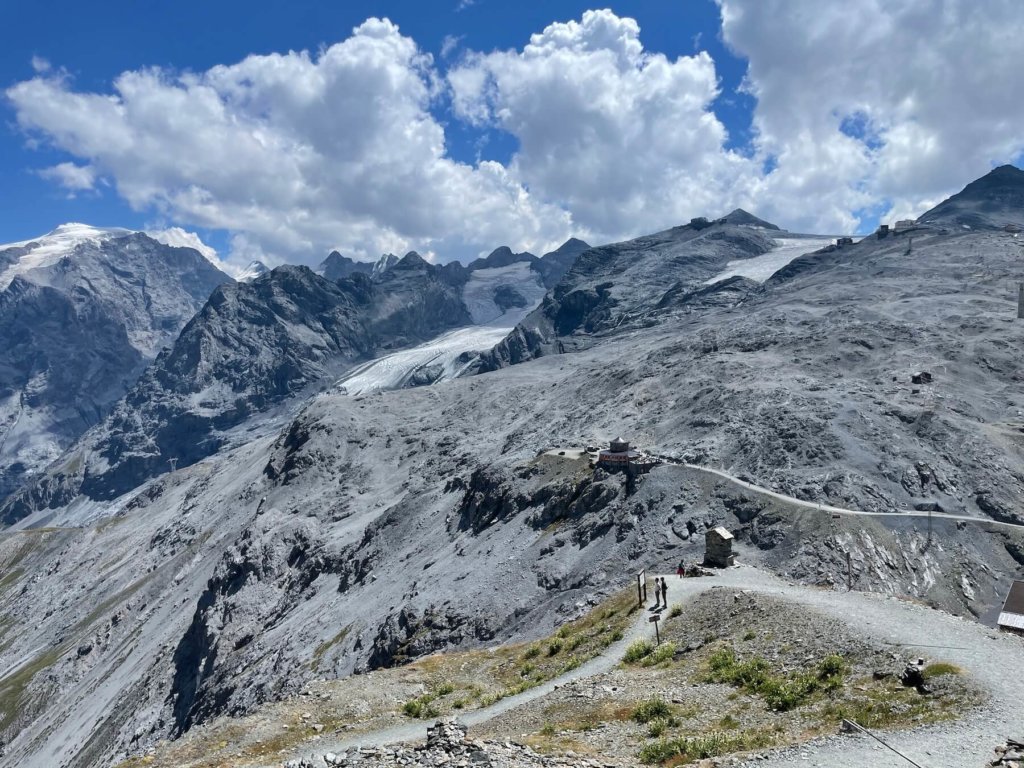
1010 754
447 746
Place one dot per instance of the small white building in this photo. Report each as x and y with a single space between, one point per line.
905 224
1011 618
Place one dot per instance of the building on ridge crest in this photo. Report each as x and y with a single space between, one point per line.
619 456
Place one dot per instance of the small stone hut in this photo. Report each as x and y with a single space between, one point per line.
1011 618
718 548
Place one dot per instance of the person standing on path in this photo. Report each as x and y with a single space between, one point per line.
657 591
664 592
681 569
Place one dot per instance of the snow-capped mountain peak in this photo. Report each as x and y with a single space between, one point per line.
50 248
251 272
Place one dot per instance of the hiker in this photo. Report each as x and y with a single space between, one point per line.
657 591
681 570
664 592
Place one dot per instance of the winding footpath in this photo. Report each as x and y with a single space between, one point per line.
417 730
993 660
903 513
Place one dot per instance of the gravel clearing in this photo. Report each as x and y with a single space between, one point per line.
994 661
991 660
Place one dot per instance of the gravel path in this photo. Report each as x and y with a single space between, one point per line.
417 730
994 660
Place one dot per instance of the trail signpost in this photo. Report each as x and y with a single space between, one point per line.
654 621
641 586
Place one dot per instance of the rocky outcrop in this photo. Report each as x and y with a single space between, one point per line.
614 288
447 744
991 202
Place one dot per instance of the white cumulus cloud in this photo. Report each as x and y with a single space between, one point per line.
861 109
875 102
623 138
298 153
74 178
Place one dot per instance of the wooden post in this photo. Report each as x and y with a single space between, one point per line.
641 586
654 620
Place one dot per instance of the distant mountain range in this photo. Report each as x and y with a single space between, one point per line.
255 343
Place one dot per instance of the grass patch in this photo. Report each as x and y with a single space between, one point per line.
874 704
10 578
652 709
492 674
940 668
688 749
13 687
421 707
325 646
659 655
638 650
780 691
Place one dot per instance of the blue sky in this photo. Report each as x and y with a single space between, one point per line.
835 147
96 42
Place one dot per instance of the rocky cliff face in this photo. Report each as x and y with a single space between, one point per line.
338 267
82 311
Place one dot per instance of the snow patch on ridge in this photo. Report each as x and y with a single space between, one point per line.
762 267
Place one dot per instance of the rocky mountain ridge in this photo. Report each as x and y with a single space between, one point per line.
991 202
82 312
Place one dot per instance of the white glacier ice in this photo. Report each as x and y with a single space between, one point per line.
762 267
